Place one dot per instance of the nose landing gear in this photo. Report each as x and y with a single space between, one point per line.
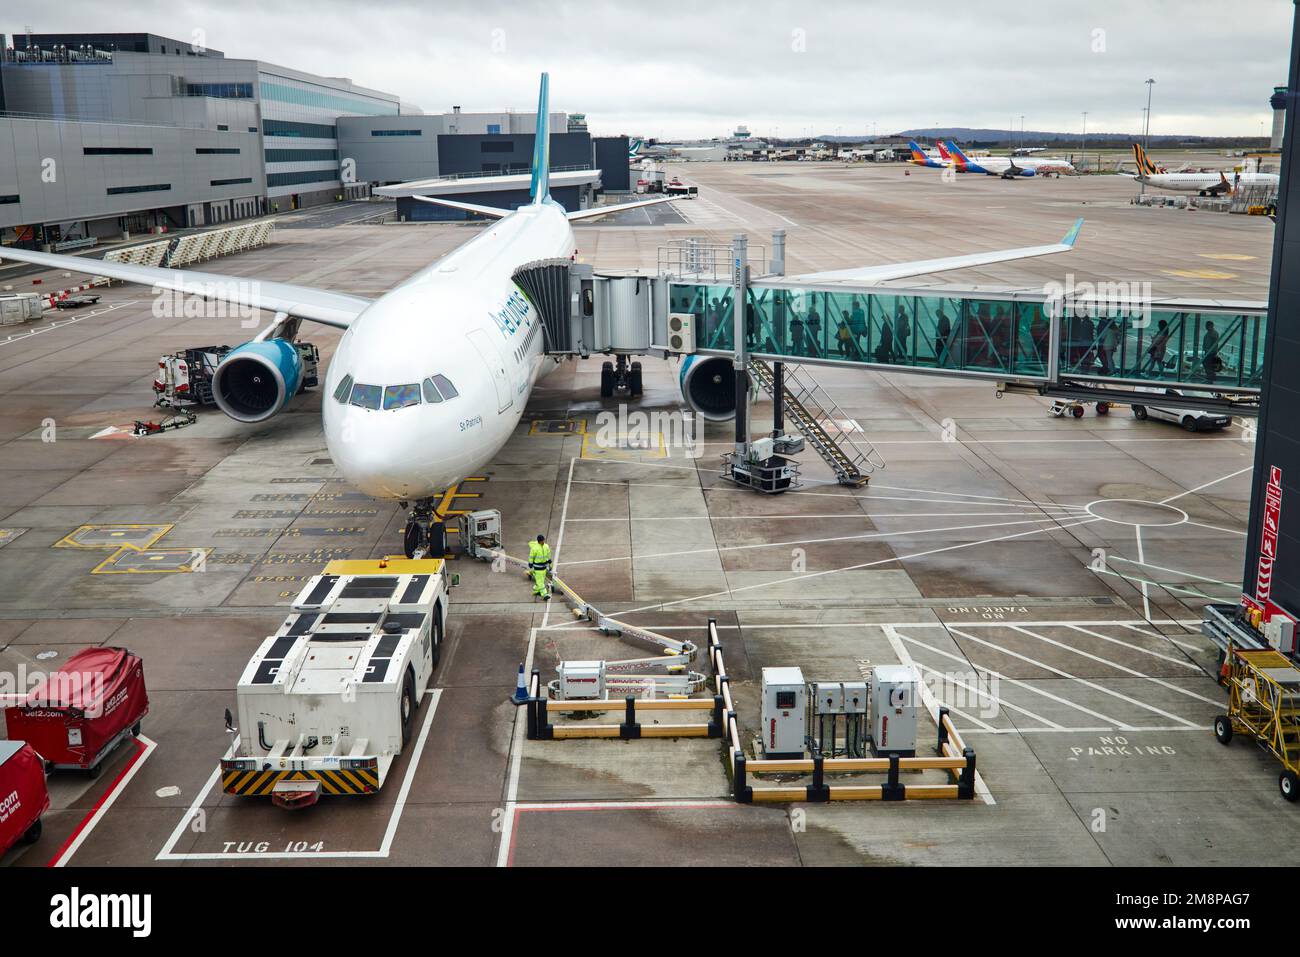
426 533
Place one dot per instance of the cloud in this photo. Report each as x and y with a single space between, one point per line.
697 70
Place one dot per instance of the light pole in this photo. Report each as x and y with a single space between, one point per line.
1146 137
1083 150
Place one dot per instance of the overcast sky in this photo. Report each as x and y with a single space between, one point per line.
698 69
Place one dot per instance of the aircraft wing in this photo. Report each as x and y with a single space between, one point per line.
606 210
493 211
328 308
870 275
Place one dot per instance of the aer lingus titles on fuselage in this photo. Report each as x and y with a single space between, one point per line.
429 380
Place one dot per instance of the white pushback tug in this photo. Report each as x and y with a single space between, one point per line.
328 702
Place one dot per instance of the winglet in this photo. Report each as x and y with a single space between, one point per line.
1073 234
540 188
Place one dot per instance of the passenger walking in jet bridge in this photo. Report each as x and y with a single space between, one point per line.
1211 361
943 338
858 321
814 323
539 562
1109 342
885 347
844 336
1155 358
798 337
902 330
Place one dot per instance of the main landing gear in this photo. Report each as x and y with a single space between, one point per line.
622 380
426 533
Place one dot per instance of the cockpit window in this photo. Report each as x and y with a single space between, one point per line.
366 396
400 396
445 387
345 387
431 392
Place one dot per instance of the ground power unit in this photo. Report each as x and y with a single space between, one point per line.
328 702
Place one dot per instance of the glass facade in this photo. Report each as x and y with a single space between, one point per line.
1008 336
326 100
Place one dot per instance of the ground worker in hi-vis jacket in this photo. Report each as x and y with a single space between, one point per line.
539 563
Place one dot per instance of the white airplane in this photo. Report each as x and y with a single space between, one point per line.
429 380
1007 167
1204 184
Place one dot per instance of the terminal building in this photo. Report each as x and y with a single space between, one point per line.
479 158
106 133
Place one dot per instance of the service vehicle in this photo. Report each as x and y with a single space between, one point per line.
23 797
1178 412
328 702
75 302
75 717
185 378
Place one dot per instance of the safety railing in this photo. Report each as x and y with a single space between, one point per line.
541 728
1023 335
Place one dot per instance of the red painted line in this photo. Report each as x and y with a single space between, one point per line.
139 750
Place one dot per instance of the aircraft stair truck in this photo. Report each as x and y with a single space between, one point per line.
328 702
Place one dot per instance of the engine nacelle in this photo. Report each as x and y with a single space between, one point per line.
709 387
256 380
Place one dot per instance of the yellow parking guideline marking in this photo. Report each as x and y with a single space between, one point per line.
1235 257
1200 274
621 453
534 430
121 549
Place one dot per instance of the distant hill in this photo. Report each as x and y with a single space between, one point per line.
993 138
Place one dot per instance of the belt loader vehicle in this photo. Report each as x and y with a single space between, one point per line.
328 702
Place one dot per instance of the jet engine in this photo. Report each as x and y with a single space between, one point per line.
709 387
256 380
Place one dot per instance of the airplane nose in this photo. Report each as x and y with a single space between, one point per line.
369 458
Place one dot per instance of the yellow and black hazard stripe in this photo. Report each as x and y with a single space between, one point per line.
254 783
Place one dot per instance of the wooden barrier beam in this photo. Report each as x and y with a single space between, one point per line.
674 731
846 792
924 791
609 704
779 794
585 731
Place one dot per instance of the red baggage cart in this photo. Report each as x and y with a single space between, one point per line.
76 716
23 798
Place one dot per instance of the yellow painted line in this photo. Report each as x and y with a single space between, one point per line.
1200 274
1234 257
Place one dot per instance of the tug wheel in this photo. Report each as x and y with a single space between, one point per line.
407 707
1077 411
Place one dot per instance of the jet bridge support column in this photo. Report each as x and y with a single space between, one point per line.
740 363
777 268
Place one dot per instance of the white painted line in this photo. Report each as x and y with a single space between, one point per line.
1146 598
1112 723
866 536
731 592
981 693
1181 662
668 803
931 705
167 854
1185 645
1116 665
149 745
1164 586
59 324
1221 478
1083 681
1174 571
1216 528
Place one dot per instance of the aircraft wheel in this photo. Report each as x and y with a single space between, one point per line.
1140 412
607 380
634 379
413 538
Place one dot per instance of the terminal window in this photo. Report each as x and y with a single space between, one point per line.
396 133
118 150
231 182
6 200
152 188
288 128
213 150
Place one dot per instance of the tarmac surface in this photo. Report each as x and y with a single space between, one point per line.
1045 574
